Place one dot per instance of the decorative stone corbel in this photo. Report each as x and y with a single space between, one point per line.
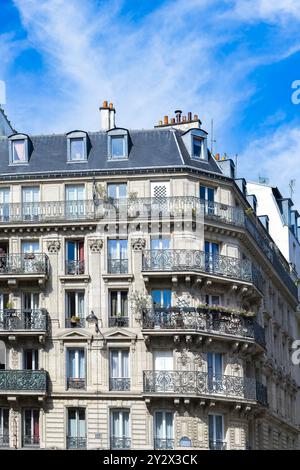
53 246
95 245
138 244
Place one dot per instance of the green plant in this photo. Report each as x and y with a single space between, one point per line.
75 319
10 305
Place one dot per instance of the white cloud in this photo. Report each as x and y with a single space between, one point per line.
267 10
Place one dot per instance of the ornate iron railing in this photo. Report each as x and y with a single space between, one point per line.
30 441
117 266
75 267
23 380
77 383
222 212
202 319
4 440
199 383
80 323
25 263
74 442
217 445
121 322
120 443
25 319
199 261
120 384
164 444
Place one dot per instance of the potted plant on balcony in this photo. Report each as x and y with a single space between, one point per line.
132 201
9 309
75 320
102 198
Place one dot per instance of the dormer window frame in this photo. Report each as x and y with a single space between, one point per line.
12 141
77 135
117 133
200 136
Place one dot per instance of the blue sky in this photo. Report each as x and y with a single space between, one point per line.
230 60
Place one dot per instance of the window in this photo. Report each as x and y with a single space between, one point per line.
216 432
163 360
118 308
31 427
117 191
117 256
197 146
77 149
4 204
75 257
75 310
31 359
19 151
119 370
212 299
30 202
163 430
75 205
119 430
117 147
160 243
76 438
215 372
211 256
4 427
117 141
76 368
161 298
207 198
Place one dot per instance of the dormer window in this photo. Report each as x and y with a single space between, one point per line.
18 149
77 146
197 146
195 141
117 144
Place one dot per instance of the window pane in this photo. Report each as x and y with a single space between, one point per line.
113 303
19 151
117 146
197 147
77 149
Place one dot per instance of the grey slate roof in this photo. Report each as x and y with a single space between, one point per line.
156 148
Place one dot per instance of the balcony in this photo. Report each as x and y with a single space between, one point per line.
25 321
75 268
120 322
217 445
119 384
202 384
117 266
76 442
223 213
163 444
203 320
76 383
23 382
174 261
24 266
4 440
120 443
30 441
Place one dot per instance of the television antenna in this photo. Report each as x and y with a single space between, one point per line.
292 185
212 140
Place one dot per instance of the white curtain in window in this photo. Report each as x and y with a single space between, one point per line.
163 360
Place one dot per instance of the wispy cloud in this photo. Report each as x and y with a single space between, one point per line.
266 10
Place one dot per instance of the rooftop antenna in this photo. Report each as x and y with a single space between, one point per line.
236 163
292 185
212 141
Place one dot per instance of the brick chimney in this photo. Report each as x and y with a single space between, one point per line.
107 116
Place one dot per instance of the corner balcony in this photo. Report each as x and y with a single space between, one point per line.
176 262
23 382
194 384
25 322
24 267
201 320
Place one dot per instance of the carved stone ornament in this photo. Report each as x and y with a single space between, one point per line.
53 246
96 245
184 358
14 359
138 244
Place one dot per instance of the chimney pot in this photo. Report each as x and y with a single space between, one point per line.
178 113
105 104
111 106
172 120
196 117
183 118
166 120
160 123
217 156
189 116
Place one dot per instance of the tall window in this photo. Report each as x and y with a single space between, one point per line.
30 202
117 190
117 147
30 305
19 151
30 260
216 432
31 427
207 198
164 430
117 256
119 430
119 370
76 438
4 427
75 309
211 256
4 204
197 146
118 308
77 149
75 204
31 359
163 360
76 368
161 298
75 257
215 371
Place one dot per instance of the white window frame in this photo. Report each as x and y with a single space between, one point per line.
119 362
119 301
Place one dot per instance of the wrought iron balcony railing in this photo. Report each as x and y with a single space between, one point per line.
4 439
119 443
202 319
199 261
217 445
31 441
120 384
77 383
74 442
164 444
117 266
75 322
200 383
75 267
23 380
222 212
25 319
121 322
23 264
